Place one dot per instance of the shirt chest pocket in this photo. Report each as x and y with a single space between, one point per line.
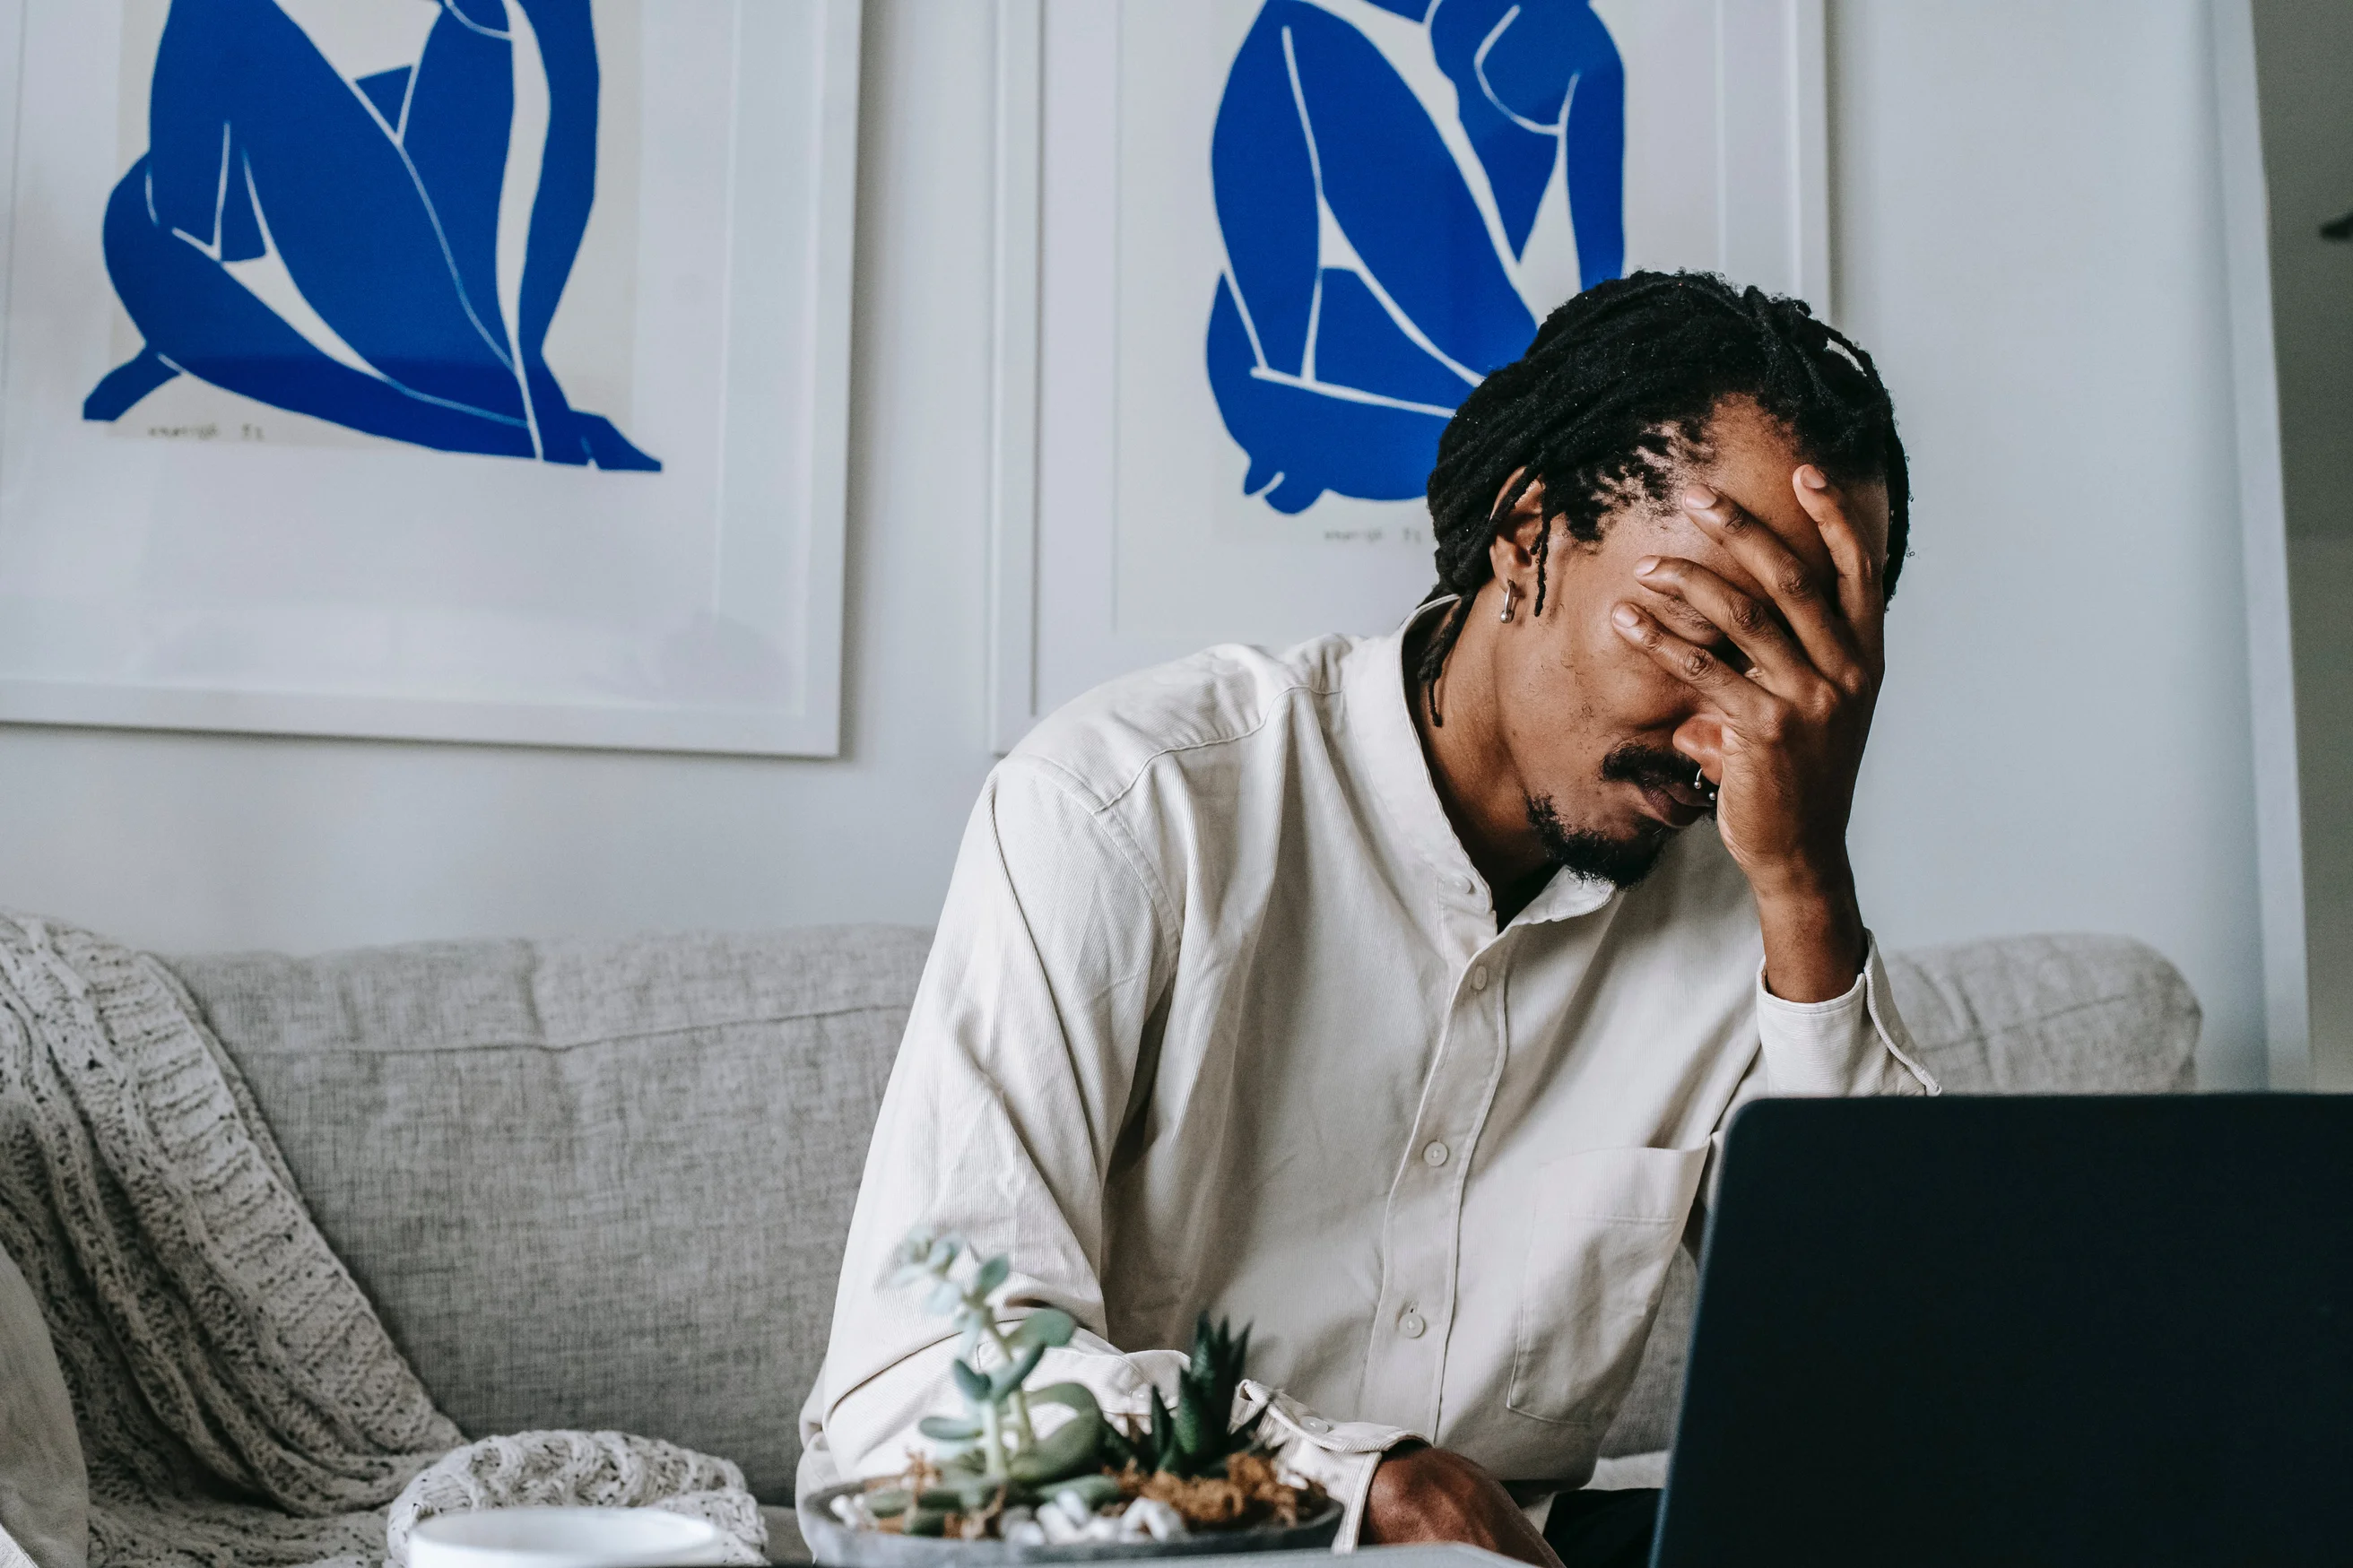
1603 1228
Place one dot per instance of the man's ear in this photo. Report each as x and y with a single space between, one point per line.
1513 551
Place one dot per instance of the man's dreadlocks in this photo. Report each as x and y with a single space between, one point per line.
1610 404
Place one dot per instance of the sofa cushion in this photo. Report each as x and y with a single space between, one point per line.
2026 1014
598 1185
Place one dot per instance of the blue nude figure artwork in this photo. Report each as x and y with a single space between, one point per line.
420 223
1366 288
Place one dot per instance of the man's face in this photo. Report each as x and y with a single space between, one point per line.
1590 721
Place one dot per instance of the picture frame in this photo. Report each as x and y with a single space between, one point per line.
1109 550
284 545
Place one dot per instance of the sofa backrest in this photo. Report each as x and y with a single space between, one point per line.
606 1184
587 1184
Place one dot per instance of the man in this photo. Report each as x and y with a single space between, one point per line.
1389 994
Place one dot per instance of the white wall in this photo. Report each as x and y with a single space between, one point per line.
2026 205
2026 209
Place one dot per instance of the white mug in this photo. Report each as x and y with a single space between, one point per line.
564 1538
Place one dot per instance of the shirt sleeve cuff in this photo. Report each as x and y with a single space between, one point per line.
1338 1456
1850 1045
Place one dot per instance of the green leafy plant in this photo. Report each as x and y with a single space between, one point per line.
993 1453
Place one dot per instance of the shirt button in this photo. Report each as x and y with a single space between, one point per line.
1434 1155
1469 886
1411 1325
1315 1424
1479 978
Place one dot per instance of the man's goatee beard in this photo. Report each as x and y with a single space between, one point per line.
1625 861
1621 862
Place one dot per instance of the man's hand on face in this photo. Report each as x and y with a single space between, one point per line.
1791 723
1435 1494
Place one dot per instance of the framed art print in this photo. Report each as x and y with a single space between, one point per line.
468 370
1253 254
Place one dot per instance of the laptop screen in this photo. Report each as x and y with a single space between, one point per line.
2023 1330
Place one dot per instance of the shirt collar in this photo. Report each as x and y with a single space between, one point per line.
1382 734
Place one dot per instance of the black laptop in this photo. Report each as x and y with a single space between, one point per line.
2016 1331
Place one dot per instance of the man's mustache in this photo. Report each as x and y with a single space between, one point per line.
1648 767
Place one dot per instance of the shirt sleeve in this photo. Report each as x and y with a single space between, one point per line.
1850 1045
1013 1085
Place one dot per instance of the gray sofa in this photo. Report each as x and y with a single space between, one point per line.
605 1183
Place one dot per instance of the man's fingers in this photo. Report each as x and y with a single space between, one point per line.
1739 698
1861 593
1433 1494
1677 613
1702 606
1798 587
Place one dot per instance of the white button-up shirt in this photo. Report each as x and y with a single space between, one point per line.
1219 1018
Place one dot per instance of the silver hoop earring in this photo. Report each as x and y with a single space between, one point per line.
1699 781
1508 591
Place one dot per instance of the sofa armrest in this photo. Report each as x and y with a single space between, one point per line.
2050 1014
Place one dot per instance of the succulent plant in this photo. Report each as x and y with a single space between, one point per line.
1195 1437
992 1459
994 1449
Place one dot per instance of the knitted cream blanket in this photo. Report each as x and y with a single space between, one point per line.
239 1402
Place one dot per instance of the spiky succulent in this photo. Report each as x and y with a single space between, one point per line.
1194 1437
